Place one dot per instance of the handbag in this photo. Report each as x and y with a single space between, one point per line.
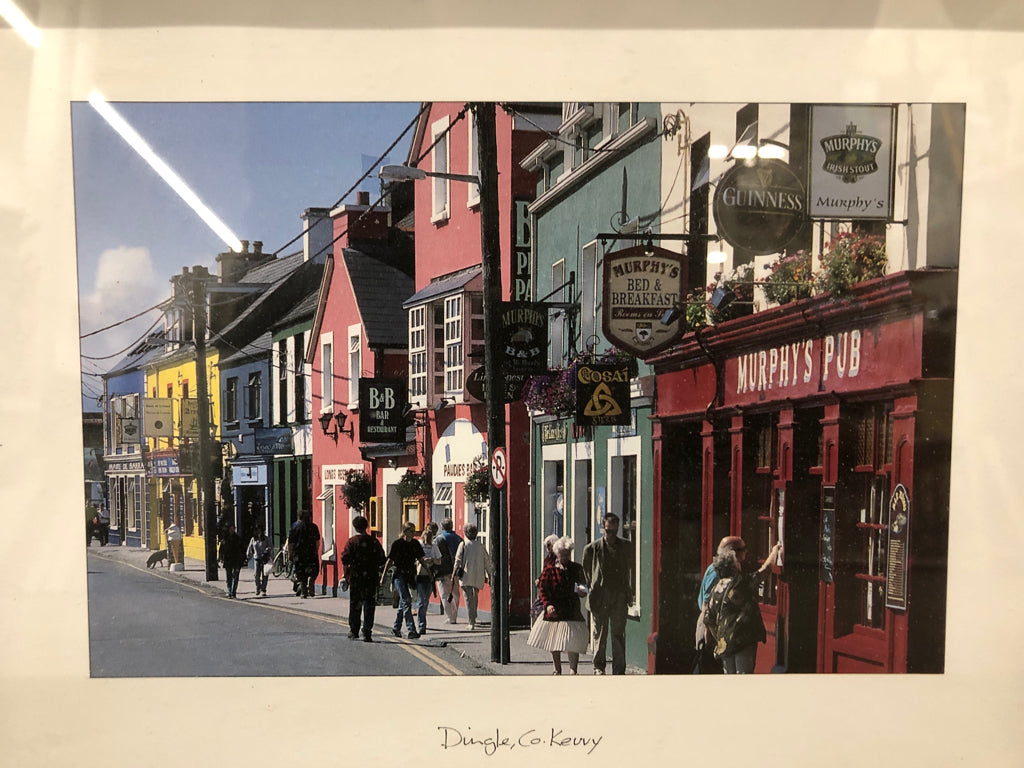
267 568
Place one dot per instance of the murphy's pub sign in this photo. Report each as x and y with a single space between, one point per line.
852 161
640 284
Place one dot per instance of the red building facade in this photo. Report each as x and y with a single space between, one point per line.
824 423
446 340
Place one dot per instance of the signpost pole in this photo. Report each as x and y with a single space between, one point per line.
490 254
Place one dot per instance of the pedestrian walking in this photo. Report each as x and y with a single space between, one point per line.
448 544
473 570
560 626
425 575
704 642
261 552
304 543
734 612
361 559
175 547
404 554
609 565
232 557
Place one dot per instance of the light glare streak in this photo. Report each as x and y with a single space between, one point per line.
175 182
13 15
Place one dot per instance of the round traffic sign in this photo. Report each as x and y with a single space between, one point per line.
499 467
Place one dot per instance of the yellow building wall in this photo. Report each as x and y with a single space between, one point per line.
176 375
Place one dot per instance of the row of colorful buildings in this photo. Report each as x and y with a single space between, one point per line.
779 387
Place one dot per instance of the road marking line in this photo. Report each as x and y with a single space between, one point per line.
439 665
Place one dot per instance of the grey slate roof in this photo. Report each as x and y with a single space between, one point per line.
257 349
379 291
146 350
440 287
304 310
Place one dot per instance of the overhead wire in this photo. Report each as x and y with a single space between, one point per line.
365 175
122 322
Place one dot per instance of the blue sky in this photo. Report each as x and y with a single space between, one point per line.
258 166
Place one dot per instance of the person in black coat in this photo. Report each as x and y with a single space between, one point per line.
232 557
362 558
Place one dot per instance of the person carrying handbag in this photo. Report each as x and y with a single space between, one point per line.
261 552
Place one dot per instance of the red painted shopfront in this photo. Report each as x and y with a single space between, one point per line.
825 423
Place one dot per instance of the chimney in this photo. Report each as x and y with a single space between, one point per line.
257 249
362 198
318 231
231 265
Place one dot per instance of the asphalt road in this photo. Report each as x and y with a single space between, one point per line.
148 624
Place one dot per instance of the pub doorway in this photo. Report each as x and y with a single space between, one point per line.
680 561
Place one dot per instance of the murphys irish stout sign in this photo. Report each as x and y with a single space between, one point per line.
640 283
852 152
760 206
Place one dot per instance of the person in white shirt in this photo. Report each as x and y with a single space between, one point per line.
473 570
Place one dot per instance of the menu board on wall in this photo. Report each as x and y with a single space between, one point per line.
828 532
899 530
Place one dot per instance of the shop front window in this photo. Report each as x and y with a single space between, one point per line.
865 483
763 504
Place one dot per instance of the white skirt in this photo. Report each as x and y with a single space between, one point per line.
570 636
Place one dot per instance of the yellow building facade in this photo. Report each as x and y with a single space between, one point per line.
174 489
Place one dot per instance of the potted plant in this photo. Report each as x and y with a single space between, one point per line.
413 484
478 484
849 259
791 278
356 489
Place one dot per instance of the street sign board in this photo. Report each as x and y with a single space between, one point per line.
499 467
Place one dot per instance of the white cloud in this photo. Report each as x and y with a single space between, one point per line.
125 283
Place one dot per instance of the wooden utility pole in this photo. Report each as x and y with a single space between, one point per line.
494 377
203 472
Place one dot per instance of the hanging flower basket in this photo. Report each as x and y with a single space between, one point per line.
850 259
554 393
791 278
413 484
730 297
478 485
356 489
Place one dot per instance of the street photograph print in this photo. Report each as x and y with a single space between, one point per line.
516 388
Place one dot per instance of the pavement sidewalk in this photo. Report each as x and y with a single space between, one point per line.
442 638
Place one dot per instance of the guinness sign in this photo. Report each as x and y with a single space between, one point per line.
760 207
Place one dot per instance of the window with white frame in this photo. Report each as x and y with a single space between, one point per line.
417 353
299 376
327 372
473 160
355 364
624 499
439 209
282 382
557 324
230 404
328 521
454 362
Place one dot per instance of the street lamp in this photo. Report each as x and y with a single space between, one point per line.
410 173
494 378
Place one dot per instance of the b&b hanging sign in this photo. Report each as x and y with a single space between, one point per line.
640 284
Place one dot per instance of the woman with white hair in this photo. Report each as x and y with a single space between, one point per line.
561 626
